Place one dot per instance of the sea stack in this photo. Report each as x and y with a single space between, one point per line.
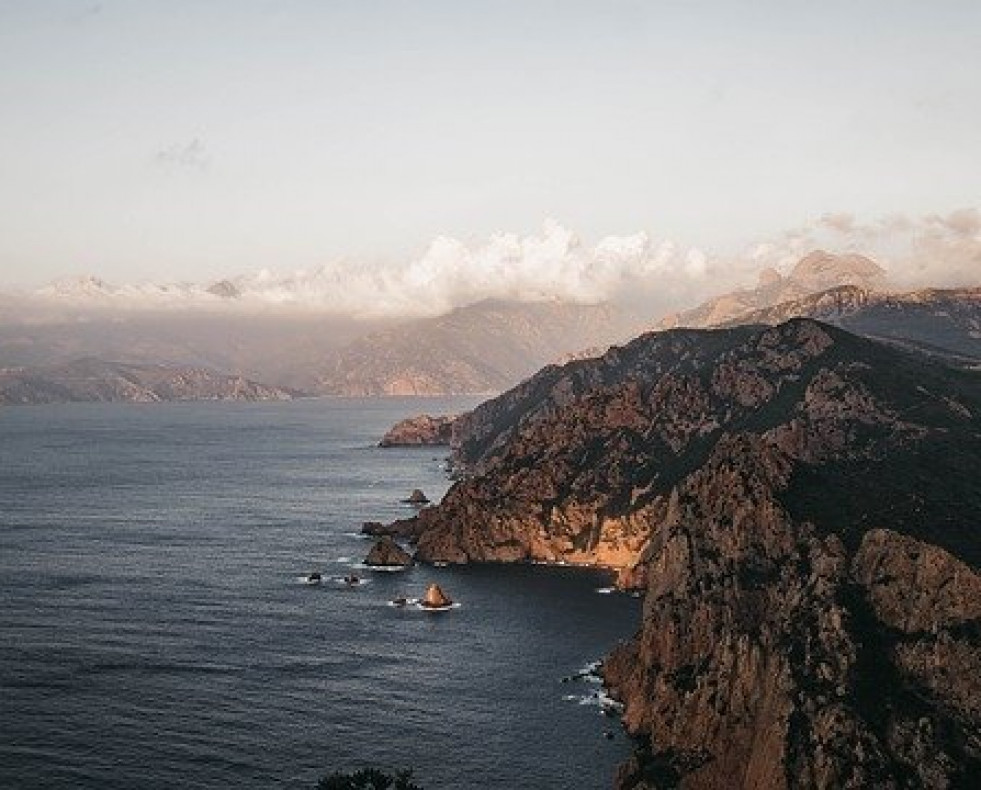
417 498
436 598
386 553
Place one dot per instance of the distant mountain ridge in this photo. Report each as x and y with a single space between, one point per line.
485 347
942 322
89 380
815 272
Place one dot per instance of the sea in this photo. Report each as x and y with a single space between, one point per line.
157 630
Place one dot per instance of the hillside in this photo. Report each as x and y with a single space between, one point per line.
945 323
485 347
799 506
98 380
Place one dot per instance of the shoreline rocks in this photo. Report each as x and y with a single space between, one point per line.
417 498
386 553
421 431
435 598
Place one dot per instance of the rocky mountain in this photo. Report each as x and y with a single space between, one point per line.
946 323
815 272
798 504
98 380
484 347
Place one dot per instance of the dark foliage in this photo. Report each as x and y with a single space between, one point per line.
368 779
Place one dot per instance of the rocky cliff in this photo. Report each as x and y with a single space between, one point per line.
799 505
98 380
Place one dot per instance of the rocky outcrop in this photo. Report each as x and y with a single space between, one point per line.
417 498
435 598
420 431
403 529
97 380
800 505
387 553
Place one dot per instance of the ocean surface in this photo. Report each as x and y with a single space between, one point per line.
155 630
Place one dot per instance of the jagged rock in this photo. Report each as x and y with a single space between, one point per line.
435 598
420 431
801 505
406 529
387 553
416 498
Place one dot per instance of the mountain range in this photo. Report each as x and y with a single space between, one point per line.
485 347
96 380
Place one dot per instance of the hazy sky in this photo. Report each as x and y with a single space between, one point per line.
187 140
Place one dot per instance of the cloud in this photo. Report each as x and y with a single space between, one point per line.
552 265
191 156
636 270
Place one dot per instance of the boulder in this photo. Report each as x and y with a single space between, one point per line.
387 553
417 498
436 598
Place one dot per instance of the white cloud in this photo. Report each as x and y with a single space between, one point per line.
656 275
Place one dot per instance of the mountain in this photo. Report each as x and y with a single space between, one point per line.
484 347
286 350
799 506
98 380
942 322
817 271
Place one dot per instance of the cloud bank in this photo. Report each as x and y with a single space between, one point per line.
555 264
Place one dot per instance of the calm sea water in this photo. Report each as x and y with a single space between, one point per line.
155 633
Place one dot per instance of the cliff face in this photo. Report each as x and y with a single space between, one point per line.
800 506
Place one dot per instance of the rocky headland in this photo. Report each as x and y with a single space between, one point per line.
421 431
800 507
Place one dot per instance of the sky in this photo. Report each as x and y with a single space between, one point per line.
180 140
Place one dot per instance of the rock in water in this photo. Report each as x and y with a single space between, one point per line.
436 598
417 498
387 553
